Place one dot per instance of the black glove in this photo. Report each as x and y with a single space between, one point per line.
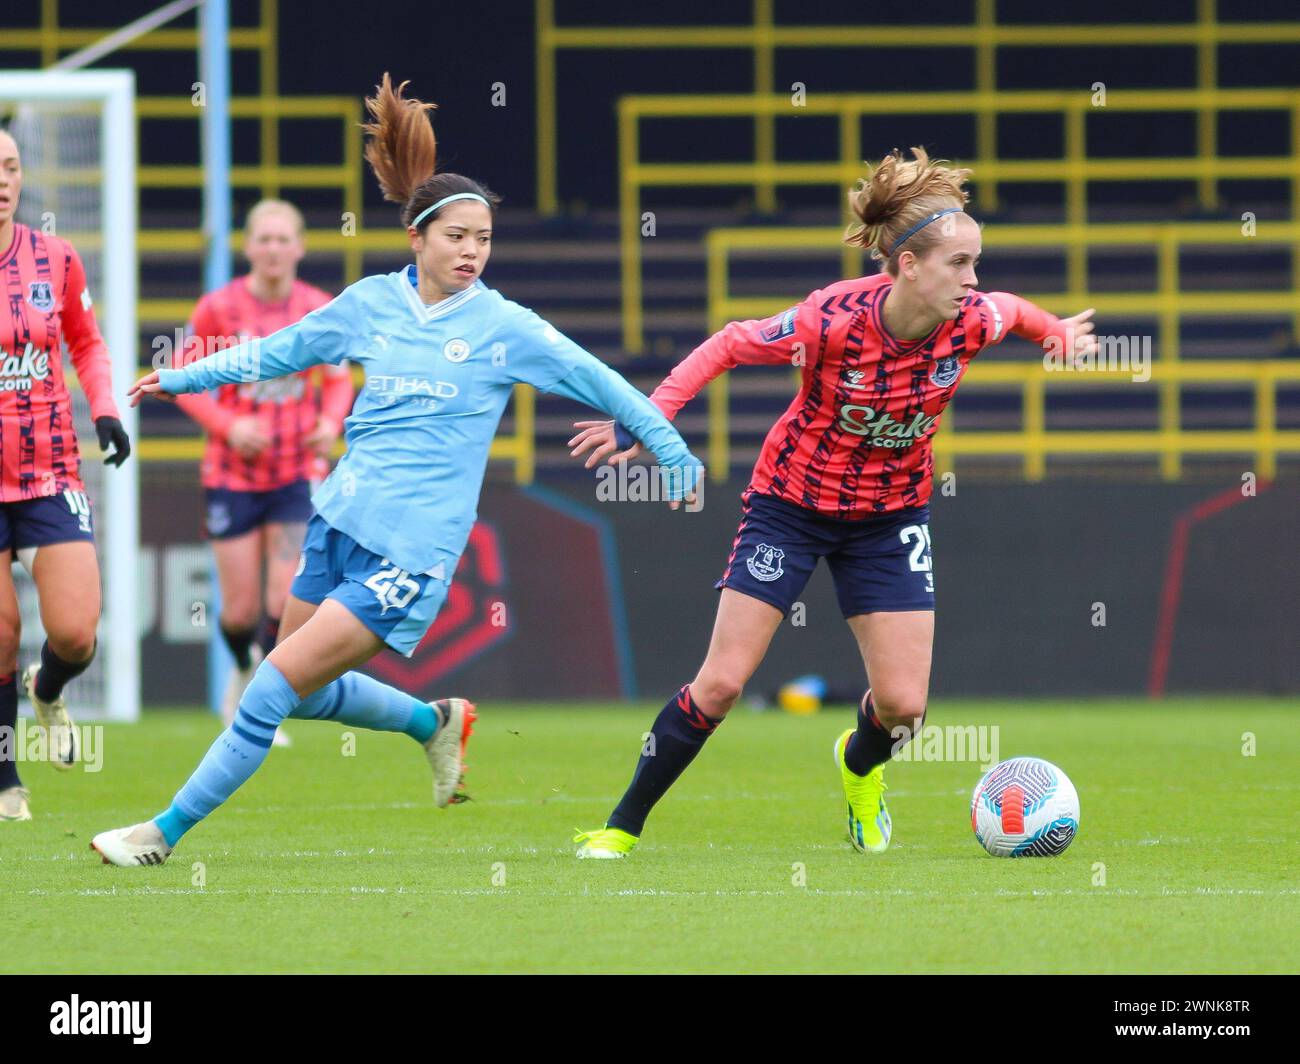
622 438
110 430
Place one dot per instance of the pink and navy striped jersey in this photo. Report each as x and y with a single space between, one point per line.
856 438
46 305
287 408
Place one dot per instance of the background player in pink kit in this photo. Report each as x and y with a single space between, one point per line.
45 517
845 474
267 443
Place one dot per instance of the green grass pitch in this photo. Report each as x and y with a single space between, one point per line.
332 863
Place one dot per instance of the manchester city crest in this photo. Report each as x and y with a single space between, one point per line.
456 350
945 372
41 296
765 563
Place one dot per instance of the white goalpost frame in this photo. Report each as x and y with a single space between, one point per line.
116 313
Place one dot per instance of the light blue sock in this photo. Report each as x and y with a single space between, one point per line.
236 754
363 702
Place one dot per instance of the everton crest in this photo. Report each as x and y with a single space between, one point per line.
219 520
765 563
945 372
41 296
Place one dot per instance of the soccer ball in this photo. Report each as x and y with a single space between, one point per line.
1025 807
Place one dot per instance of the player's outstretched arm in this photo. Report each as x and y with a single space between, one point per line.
1072 337
323 336
591 382
768 342
537 353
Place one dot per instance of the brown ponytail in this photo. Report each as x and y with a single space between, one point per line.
402 150
403 153
895 196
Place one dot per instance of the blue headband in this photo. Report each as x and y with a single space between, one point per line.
921 225
444 201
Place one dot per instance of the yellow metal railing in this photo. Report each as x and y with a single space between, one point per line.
983 37
1165 303
50 41
271 176
1074 171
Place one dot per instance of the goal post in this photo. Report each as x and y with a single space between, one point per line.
76 133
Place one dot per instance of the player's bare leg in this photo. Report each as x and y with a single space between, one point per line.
13 795
329 643
239 568
67 586
283 547
896 649
296 614
742 633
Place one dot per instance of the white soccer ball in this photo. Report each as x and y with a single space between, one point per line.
1025 807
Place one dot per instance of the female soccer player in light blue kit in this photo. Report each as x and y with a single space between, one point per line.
441 353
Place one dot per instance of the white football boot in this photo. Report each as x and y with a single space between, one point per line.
13 804
446 749
53 717
140 844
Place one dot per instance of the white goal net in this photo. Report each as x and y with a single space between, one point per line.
76 135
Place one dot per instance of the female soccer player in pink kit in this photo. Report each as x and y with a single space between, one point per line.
845 475
45 517
267 442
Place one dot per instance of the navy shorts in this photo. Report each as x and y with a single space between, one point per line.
879 564
398 606
61 518
232 513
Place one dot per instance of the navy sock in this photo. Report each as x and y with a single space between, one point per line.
267 633
872 744
9 738
240 641
55 673
676 737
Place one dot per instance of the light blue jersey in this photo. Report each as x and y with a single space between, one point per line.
437 381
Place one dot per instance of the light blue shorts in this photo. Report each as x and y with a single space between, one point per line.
396 605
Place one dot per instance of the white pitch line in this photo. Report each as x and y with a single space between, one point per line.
648 892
